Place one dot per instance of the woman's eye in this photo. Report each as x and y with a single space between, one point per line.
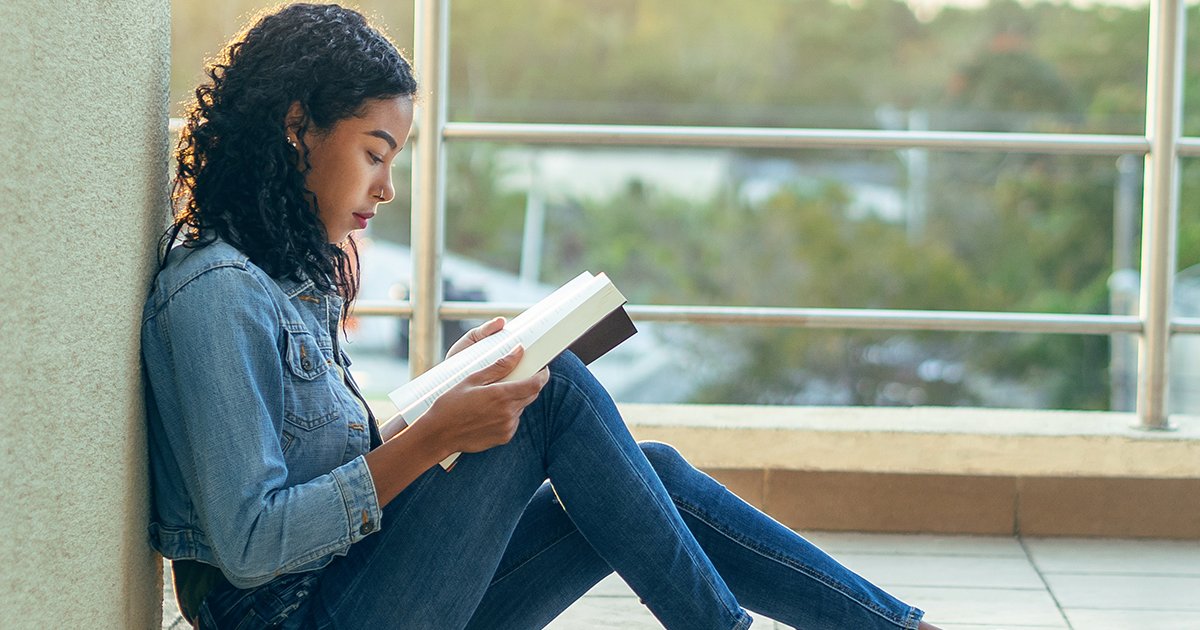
375 158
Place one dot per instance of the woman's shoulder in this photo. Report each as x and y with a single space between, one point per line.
215 268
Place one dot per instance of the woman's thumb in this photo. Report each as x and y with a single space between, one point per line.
501 368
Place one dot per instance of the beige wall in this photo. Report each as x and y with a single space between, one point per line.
83 158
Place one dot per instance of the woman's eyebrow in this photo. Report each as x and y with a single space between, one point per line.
379 133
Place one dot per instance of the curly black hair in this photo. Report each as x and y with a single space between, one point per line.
238 178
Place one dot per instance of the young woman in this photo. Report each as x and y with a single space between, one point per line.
275 494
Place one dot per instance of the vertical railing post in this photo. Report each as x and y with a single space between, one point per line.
429 186
1164 103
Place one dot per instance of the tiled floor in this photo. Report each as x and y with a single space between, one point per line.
970 582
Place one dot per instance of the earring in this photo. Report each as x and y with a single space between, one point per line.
291 142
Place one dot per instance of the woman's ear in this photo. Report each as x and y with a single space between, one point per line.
295 121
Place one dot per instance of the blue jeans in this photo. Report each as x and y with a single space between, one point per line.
491 544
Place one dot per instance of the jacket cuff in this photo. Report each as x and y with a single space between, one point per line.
358 496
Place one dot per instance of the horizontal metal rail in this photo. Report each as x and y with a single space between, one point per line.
1185 325
382 308
864 319
772 138
760 137
876 319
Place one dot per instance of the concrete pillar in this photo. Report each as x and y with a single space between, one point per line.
83 194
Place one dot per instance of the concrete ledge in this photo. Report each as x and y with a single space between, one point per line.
917 440
922 440
944 470
1110 507
941 470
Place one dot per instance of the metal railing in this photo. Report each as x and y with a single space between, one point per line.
843 318
429 186
773 138
1160 208
1161 146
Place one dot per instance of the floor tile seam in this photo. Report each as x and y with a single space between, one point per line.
1125 574
1045 583
1128 609
960 587
993 627
999 621
911 554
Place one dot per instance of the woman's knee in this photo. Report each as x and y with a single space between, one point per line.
663 457
567 365
570 394
567 370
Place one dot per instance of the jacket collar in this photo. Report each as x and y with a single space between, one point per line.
292 287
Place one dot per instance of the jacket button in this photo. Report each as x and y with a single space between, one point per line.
366 528
306 364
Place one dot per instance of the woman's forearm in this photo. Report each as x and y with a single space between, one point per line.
473 416
406 454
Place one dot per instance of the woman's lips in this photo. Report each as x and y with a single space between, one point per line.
362 219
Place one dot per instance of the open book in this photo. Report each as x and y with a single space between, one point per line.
585 315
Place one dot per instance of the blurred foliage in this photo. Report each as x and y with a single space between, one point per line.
1003 232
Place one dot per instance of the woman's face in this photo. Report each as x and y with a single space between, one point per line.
351 164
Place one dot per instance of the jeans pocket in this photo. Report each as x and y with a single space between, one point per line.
230 610
288 599
281 603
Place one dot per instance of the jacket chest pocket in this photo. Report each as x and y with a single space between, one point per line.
309 403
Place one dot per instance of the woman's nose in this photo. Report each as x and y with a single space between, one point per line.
388 190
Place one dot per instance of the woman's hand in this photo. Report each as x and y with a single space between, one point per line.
482 412
475 334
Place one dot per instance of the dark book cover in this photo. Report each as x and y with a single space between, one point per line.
605 335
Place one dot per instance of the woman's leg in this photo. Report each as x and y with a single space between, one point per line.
770 569
547 566
442 539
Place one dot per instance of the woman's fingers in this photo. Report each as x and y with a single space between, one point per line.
490 327
482 412
498 370
486 329
526 389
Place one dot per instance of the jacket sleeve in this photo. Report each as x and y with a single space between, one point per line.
220 336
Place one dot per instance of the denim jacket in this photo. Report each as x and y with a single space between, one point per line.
256 441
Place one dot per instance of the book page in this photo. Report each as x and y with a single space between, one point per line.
418 395
551 334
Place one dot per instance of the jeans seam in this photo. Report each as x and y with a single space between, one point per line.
708 582
530 558
789 562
